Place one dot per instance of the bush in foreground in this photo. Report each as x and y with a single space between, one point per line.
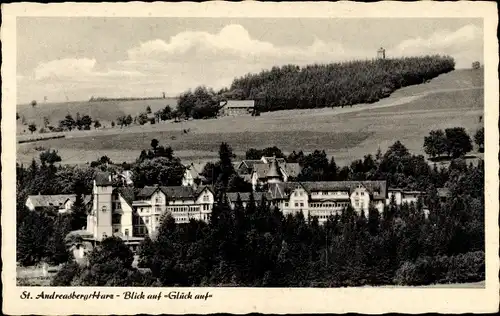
462 268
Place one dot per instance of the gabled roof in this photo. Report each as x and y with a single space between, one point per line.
240 104
249 163
55 200
196 170
103 178
245 196
273 171
175 192
290 169
127 193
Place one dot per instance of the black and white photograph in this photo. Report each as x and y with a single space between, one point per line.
177 152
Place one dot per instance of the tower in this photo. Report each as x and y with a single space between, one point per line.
274 174
100 218
381 53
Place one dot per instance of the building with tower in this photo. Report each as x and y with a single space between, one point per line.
381 53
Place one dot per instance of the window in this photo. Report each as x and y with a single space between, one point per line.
126 232
104 235
286 204
116 230
296 204
157 217
158 209
158 200
104 208
301 204
300 193
206 198
362 193
357 193
146 220
116 218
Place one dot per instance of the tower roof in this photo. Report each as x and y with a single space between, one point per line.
274 170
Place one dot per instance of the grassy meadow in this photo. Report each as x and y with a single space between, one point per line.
452 99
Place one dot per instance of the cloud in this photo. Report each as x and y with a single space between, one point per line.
193 58
463 44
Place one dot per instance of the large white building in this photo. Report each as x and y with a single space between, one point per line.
182 202
326 198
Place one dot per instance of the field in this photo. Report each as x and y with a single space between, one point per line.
105 112
452 99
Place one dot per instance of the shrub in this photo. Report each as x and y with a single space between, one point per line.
66 274
462 268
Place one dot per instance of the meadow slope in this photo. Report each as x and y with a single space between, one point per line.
452 99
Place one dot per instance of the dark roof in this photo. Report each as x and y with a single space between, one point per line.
245 196
55 200
103 179
183 192
290 169
249 163
127 193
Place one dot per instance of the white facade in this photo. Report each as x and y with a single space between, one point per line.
150 211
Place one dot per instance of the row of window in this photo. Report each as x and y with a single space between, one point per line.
329 193
328 205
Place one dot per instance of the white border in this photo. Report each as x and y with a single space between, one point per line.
245 300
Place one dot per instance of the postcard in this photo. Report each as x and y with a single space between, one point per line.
250 157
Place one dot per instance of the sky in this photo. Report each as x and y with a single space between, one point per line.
79 57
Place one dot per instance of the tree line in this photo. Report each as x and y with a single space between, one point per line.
335 84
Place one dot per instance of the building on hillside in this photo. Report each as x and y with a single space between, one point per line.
232 198
246 166
237 107
112 210
182 202
403 196
265 173
63 203
327 198
381 53
192 175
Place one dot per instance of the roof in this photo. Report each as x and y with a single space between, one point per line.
127 193
245 196
240 104
182 192
103 179
282 190
54 200
271 159
249 163
290 169
195 169
273 171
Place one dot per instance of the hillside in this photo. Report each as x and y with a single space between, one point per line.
336 85
452 99
105 111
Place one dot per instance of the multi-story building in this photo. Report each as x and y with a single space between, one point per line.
182 202
326 198
112 211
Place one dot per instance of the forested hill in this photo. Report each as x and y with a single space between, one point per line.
336 84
